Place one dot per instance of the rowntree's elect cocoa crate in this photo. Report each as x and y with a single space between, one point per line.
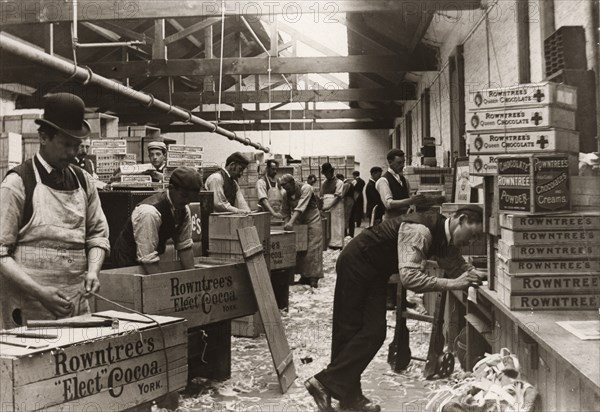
520 141
95 368
283 249
534 183
519 118
213 291
524 95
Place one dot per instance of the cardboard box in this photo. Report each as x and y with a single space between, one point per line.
519 118
519 141
534 183
213 291
111 369
523 95
283 249
586 221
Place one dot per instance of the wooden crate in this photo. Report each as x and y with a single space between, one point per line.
213 291
283 249
581 221
519 118
223 239
530 141
248 326
111 369
555 251
585 193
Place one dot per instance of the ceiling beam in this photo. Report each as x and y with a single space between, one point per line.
283 126
36 11
250 65
142 116
190 30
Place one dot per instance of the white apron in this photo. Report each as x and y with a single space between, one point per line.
337 220
274 196
51 249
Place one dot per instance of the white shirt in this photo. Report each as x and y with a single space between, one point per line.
215 184
383 187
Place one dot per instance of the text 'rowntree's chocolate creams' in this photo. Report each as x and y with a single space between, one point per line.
533 183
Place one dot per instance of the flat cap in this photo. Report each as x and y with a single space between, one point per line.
286 178
238 158
157 145
186 178
471 208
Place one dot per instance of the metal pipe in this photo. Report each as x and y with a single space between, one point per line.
110 44
86 76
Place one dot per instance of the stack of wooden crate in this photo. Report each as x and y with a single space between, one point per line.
549 262
183 155
108 155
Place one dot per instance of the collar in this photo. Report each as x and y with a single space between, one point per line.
372 180
170 202
227 173
447 230
396 175
161 167
44 163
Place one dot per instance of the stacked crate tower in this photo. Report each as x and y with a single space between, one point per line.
542 256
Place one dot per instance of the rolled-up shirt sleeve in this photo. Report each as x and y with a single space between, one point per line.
305 194
214 184
414 241
240 200
261 189
183 238
454 263
146 220
12 203
96 226
385 193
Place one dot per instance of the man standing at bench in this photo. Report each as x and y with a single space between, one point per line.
158 218
227 194
363 270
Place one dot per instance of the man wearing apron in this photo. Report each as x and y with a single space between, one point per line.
268 190
300 206
227 194
53 232
331 193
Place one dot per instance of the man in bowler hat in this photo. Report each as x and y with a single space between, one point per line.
53 233
363 269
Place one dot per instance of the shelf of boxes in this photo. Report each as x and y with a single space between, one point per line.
103 126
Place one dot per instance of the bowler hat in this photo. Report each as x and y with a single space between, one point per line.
186 178
64 112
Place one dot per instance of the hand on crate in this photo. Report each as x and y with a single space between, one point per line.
464 281
91 285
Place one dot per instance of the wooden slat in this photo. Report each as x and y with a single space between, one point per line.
159 48
31 11
267 306
194 28
252 65
6 381
590 398
568 391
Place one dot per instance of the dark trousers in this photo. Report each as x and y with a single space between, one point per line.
359 322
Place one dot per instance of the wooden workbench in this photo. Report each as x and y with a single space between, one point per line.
564 368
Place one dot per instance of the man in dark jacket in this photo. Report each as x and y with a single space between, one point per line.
359 202
156 219
363 269
373 198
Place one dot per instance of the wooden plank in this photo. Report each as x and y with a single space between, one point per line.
543 377
267 306
552 382
358 114
568 390
583 301
159 48
6 383
590 398
194 28
253 65
243 127
32 11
